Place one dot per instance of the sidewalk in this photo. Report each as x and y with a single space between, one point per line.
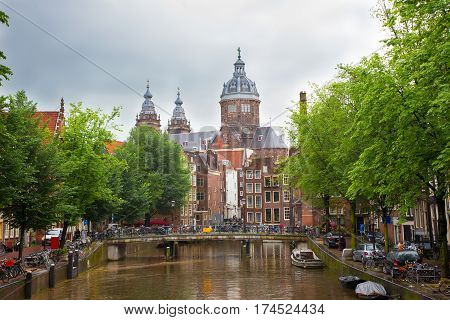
428 289
26 251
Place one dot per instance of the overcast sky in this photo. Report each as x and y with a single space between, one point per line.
191 44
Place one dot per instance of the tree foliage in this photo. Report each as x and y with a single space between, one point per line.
156 179
381 128
5 72
29 181
85 164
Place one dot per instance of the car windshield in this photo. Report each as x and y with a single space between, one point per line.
408 256
377 246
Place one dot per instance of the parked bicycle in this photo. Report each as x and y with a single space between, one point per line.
10 269
39 259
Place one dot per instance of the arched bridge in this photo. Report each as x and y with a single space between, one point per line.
117 246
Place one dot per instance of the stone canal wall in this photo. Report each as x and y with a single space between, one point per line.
95 256
341 267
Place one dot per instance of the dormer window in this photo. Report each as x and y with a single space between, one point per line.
260 137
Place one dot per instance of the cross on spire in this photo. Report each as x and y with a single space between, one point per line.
239 52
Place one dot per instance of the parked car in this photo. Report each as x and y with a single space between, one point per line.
331 240
365 250
397 259
379 238
55 232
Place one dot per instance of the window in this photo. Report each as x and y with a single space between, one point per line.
258 201
287 213
268 196
241 193
249 187
264 169
275 181
241 184
276 196
267 181
197 167
260 137
250 217
245 108
285 179
257 187
249 201
268 215
249 174
257 174
286 196
276 214
200 196
200 182
185 143
258 217
231 108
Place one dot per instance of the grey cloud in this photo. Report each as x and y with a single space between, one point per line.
191 44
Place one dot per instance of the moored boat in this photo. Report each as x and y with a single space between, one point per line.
371 291
305 258
350 281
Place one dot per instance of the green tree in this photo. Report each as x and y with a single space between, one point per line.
29 181
5 72
418 53
86 167
157 178
140 184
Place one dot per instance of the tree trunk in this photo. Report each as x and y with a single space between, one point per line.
353 223
386 230
442 227
428 217
326 203
21 241
63 234
147 219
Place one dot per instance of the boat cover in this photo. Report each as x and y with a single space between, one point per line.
370 288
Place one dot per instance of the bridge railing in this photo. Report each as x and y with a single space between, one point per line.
128 232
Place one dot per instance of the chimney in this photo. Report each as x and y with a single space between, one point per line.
303 102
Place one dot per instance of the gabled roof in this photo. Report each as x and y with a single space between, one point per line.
267 138
194 141
49 118
113 145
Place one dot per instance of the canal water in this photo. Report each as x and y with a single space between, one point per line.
203 270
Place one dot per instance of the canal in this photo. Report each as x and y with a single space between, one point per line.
202 270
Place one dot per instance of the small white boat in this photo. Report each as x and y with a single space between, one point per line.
305 258
371 291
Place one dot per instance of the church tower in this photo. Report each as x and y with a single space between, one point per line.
239 108
148 116
178 123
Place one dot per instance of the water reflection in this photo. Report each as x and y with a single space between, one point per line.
203 270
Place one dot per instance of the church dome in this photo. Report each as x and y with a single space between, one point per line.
178 111
239 86
148 107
